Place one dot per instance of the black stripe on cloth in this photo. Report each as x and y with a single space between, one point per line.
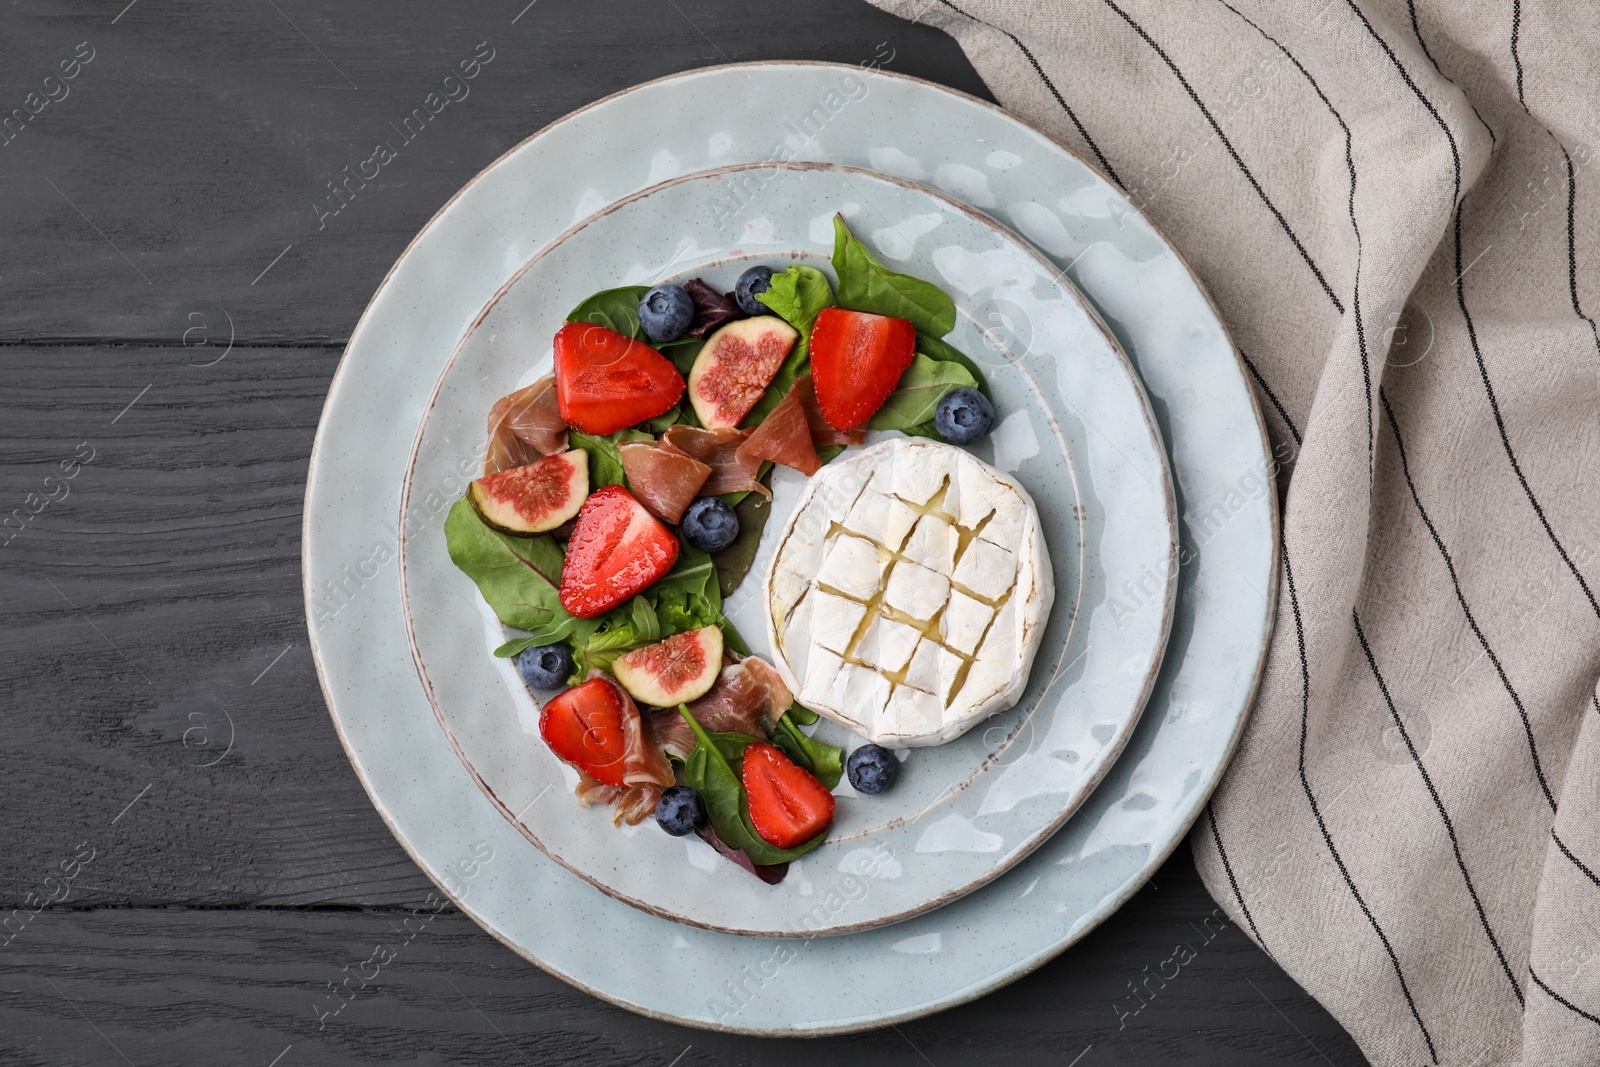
1271 396
1576 862
1572 247
1455 152
1516 57
1444 816
1316 811
1455 582
1105 164
1251 178
1596 701
1500 424
1416 29
1350 165
1232 881
1559 999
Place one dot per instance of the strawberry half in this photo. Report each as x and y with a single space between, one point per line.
787 805
857 359
617 548
605 380
584 726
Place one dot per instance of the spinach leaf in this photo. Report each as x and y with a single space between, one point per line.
921 388
734 562
823 760
731 638
615 309
867 285
518 576
605 458
797 295
682 352
802 715
709 771
934 348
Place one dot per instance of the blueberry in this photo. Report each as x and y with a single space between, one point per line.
963 416
665 312
753 281
545 666
681 811
709 525
872 769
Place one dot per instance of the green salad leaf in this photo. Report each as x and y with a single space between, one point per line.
615 309
824 761
605 456
867 285
921 388
518 576
797 296
944 352
710 770
734 562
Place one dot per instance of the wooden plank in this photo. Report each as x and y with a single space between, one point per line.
154 612
189 151
245 986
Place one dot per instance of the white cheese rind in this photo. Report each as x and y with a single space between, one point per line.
880 640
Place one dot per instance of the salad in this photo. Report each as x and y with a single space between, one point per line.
624 497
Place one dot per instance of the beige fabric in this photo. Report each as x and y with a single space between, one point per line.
1442 555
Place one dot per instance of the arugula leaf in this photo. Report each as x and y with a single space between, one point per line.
605 457
518 576
709 771
921 388
797 295
943 351
867 285
615 309
823 760
734 562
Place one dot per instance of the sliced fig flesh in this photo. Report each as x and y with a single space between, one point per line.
533 498
735 367
677 670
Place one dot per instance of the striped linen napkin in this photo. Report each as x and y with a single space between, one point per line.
1395 206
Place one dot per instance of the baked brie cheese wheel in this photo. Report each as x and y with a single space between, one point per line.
908 594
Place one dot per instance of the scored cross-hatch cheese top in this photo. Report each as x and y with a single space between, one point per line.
909 592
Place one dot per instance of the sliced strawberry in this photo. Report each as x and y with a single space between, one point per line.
857 359
585 726
605 381
787 805
617 548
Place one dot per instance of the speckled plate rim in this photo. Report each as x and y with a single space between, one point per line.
1102 761
437 869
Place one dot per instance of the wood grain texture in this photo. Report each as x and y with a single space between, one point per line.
241 986
163 709
201 134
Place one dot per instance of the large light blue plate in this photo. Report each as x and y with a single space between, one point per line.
1075 430
1140 287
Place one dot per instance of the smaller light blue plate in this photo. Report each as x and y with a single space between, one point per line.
962 813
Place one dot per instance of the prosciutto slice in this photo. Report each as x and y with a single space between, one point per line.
783 437
719 450
665 481
524 426
749 697
645 769
821 433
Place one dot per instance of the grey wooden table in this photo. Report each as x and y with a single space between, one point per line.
165 737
